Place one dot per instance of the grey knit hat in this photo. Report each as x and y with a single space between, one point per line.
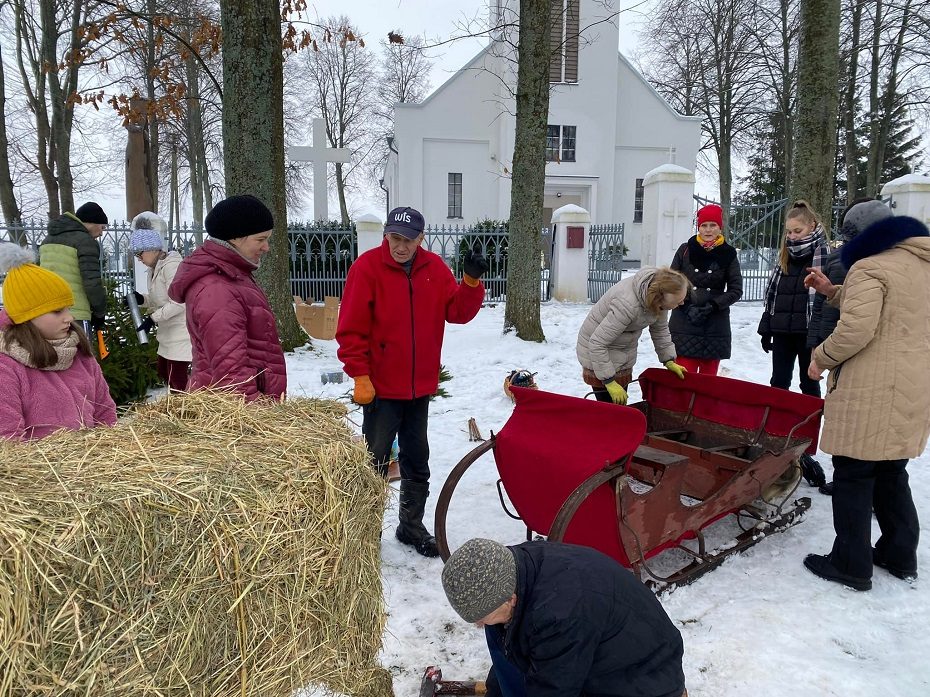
479 577
860 216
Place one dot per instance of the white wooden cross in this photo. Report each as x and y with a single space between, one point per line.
320 155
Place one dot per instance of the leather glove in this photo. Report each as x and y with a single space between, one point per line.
617 394
97 322
698 314
364 392
148 324
766 342
474 265
679 370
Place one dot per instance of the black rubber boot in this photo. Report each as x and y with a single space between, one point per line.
411 530
812 471
827 489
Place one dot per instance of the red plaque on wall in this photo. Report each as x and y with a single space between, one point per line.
575 238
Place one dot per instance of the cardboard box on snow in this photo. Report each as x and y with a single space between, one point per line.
318 320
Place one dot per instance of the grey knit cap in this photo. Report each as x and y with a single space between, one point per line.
479 577
860 216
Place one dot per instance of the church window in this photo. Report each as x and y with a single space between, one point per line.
638 202
560 143
563 40
455 195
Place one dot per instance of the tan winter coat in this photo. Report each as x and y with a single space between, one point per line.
609 336
174 343
878 391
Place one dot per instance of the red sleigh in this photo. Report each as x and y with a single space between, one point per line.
635 481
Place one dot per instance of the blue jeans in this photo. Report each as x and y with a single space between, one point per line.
510 680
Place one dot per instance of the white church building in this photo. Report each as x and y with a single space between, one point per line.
451 156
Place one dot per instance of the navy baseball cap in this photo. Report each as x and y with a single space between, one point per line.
405 221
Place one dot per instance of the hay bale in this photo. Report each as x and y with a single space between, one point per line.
201 547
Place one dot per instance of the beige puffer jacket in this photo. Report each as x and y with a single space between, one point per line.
609 336
878 391
174 343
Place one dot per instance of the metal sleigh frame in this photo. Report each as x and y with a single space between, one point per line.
697 450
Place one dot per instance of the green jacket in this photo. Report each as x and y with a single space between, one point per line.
73 254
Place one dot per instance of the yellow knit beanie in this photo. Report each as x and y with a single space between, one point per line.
29 290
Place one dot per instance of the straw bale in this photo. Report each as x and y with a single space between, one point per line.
201 547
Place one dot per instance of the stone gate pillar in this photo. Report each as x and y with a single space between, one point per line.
571 226
370 230
668 212
910 195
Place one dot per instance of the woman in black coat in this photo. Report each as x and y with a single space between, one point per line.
701 326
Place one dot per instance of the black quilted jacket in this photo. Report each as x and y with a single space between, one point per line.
716 280
823 315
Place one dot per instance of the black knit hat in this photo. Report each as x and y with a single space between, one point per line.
479 577
91 212
238 216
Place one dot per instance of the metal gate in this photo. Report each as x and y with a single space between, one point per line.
756 232
605 258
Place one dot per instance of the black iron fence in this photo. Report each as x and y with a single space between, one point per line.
756 231
605 258
320 255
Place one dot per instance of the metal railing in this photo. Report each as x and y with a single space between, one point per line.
606 251
320 255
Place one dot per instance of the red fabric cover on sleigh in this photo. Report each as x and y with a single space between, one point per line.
549 446
734 403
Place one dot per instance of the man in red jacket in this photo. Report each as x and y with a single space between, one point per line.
396 302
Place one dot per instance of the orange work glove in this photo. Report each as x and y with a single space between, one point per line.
364 391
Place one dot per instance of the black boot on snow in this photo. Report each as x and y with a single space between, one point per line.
812 471
411 530
827 489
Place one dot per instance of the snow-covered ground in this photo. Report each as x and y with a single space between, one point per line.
759 625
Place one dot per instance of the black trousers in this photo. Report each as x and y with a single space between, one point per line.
405 419
786 349
859 486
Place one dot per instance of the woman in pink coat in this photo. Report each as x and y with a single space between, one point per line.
231 325
49 378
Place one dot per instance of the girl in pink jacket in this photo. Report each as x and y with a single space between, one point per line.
49 378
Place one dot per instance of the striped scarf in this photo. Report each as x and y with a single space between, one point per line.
710 245
816 242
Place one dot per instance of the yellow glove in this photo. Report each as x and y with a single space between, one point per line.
364 391
617 393
679 370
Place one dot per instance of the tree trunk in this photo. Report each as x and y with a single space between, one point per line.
62 109
253 138
174 195
879 139
151 121
194 128
849 106
529 172
871 179
137 184
341 192
11 212
815 135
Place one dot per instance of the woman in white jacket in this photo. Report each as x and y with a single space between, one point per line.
174 343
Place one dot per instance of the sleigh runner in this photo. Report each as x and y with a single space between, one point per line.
635 481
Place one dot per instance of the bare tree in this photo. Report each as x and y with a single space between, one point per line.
714 60
253 137
48 33
818 73
403 78
529 171
341 72
8 202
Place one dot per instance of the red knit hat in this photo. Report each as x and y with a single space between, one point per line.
710 214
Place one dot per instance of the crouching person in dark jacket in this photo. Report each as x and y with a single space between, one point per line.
563 620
